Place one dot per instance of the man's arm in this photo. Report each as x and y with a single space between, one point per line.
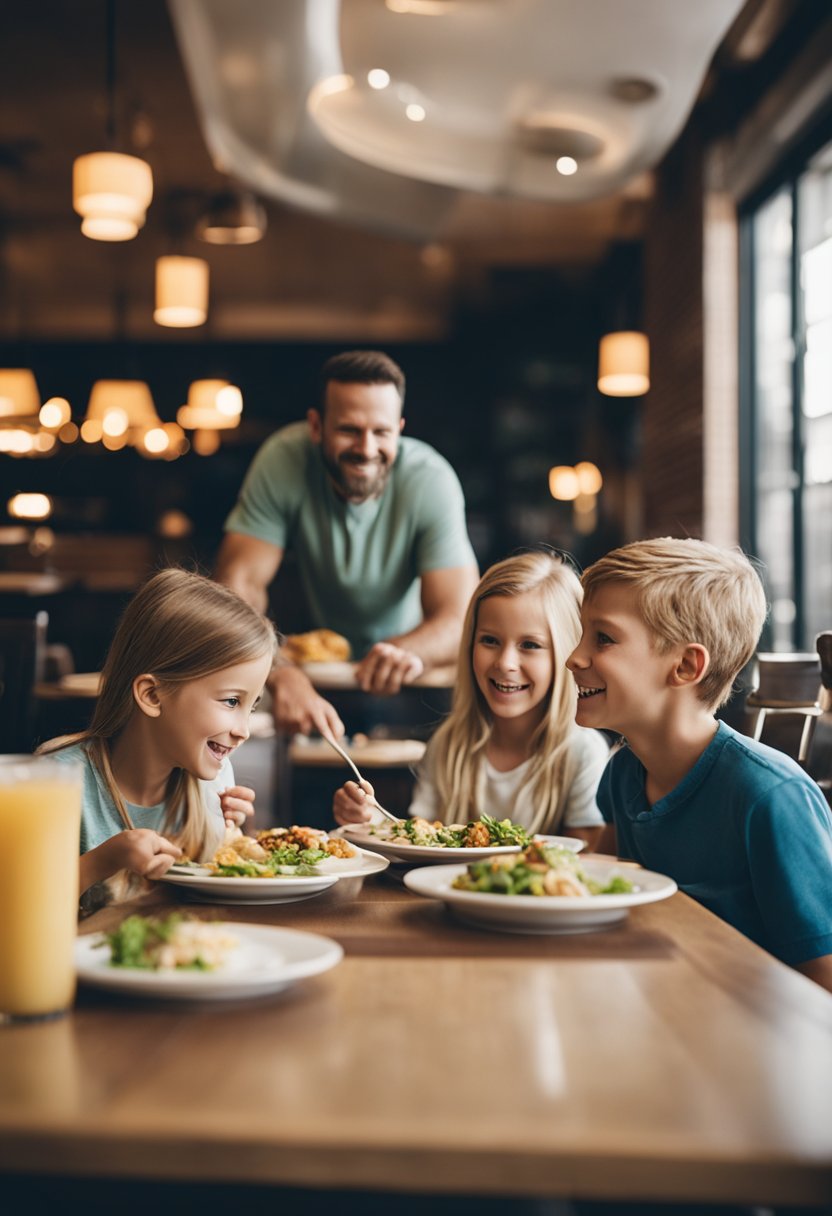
399 660
248 565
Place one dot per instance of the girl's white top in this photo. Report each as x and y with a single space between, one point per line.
508 795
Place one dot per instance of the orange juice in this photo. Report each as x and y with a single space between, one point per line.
40 826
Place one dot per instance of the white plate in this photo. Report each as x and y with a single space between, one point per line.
542 913
266 960
331 675
397 851
201 884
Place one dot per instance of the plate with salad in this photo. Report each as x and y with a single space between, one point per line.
418 839
543 889
177 957
279 865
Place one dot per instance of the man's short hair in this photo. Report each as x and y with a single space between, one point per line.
362 367
690 591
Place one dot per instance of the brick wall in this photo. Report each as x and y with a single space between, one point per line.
672 412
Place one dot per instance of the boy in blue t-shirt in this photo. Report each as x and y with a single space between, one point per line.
667 626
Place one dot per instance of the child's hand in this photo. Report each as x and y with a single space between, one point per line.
353 803
143 852
237 804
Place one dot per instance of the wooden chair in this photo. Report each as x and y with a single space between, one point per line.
788 688
22 660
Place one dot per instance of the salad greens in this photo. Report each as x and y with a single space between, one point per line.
288 859
483 833
173 942
540 870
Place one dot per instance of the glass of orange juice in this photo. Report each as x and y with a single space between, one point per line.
40 830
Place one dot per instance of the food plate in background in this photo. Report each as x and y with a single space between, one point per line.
201 884
266 960
396 850
543 913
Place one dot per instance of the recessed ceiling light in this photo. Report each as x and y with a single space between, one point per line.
415 113
377 78
567 165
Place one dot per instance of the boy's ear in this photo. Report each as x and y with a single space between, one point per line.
146 695
691 665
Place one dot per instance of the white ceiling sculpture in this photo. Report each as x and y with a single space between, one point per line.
251 66
378 110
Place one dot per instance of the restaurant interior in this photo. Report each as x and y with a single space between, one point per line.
597 237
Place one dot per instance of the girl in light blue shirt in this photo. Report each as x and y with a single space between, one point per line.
185 669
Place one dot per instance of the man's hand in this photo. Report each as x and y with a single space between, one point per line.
386 667
297 708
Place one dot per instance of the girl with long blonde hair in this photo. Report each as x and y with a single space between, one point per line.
187 664
510 747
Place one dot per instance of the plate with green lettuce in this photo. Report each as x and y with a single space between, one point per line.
543 889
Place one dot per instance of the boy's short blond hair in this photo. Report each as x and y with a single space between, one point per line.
690 591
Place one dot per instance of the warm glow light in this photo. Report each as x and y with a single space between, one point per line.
45 441
230 401
204 411
206 442
19 394
181 292
567 165
68 432
114 423
563 483
91 431
415 112
16 441
589 477
624 364
377 78
111 192
54 413
156 440
114 443
29 506
130 398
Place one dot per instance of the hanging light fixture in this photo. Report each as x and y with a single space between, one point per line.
19 396
111 191
624 364
119 412
234 217
181 292
213 405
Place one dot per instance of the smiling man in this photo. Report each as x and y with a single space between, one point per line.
377 523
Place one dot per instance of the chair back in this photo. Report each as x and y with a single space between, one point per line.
784 706
22 658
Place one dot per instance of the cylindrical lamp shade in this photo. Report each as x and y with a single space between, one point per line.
181 292
111 192
624 364
19 396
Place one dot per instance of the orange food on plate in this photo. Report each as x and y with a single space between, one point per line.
316 646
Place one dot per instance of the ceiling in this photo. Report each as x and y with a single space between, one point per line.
355 250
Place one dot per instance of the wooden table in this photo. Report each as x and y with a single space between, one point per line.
667 1058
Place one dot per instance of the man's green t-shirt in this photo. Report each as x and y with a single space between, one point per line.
359 564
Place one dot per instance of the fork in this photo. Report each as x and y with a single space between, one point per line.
345 756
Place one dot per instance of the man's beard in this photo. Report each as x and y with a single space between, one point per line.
352 486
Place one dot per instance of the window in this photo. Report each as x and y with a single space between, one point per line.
787 298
